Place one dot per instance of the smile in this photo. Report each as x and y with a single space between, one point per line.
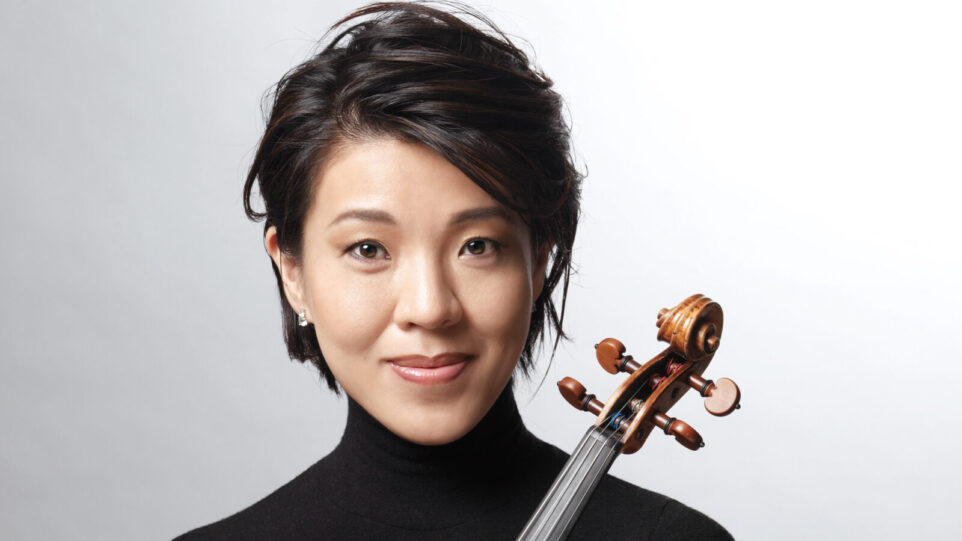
430 370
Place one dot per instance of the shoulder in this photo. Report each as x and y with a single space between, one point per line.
678 522
621 510
280 514
647 515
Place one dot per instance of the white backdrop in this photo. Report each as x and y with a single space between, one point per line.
798 162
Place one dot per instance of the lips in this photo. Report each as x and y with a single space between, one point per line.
430 370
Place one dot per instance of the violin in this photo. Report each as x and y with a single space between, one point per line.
637 407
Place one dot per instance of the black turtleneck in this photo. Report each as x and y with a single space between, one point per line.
376 485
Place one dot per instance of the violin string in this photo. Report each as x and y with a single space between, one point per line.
589 458
569 477
586 457
627 403
586 461
584 495
629 418
585 454
613 433
596 447
597 451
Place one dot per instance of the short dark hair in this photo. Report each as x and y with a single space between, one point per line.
421 74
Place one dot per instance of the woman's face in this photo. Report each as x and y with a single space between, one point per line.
419 285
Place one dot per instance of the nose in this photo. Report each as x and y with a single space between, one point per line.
426 296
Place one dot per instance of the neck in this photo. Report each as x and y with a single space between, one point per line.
500 428
429 486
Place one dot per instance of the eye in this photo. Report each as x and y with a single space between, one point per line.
368 250
479 246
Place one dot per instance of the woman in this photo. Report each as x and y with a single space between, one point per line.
420 209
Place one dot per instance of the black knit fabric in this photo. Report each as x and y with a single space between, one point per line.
376 485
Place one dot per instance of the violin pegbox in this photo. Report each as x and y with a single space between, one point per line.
692 330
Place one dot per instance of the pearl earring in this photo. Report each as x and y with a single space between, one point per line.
301 319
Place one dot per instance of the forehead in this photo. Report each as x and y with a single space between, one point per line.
403 179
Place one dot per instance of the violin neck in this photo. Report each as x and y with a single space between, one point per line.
568 495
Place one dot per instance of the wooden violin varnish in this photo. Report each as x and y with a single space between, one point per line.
638 407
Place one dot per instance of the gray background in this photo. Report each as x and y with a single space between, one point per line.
798 162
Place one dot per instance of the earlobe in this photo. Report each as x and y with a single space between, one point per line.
289 270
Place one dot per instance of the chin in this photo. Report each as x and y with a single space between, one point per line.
432 428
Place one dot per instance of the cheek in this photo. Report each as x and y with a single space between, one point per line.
349 311
500 309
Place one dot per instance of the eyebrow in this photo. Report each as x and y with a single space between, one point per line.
367 215
481 213
380 216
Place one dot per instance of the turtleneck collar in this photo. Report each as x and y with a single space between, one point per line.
388 479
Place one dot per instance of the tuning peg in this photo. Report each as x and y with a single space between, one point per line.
721 397
611 356
576 395
682 431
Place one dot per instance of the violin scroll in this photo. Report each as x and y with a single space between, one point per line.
693 328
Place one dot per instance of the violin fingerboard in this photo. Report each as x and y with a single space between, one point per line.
558 512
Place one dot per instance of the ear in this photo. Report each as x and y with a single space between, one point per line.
538 269
290 271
